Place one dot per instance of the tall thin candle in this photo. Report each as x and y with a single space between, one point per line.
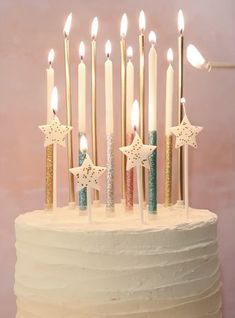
123 32
109 128
142 25
152 124
129 129
82 117
168 134
69 109
94 31
180 110
49 149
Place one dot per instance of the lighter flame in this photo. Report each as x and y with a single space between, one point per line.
152 37
170 55
194 56
94 28
82 50
142 22
51 56
83 143
108 48
135 115
180 21
124 25
67 25
54 99
129 52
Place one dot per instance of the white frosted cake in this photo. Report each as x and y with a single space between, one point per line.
117 268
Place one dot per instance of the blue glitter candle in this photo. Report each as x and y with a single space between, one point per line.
82 195
152 175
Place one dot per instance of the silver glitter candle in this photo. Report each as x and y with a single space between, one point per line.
109 185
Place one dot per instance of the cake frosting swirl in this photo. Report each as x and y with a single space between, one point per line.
115 267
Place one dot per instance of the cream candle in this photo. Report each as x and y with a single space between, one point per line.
109 89
129 88
152 84
82 90
169 93
50 83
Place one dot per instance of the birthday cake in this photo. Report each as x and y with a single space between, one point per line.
166 268
118 261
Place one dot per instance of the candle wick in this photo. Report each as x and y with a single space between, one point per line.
81 58
108 56
54 112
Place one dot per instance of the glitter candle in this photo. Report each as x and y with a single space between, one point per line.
94 31
49 149
109 128
168 134
129 134
82 117
152 124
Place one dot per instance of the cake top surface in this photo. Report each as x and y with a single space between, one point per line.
70 220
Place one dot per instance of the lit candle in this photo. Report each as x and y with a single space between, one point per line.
109 128
54 108
82 116
49 149
69 108
123 32
129 129
142 25
152 124
168 134
180 95
94 31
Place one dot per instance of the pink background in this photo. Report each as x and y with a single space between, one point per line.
28 29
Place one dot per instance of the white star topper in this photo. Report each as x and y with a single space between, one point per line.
55 132
87 174
186 133
137 153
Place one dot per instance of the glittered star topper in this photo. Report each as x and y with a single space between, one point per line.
87 174
137 153
186 133
55 132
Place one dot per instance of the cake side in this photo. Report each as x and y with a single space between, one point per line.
115 267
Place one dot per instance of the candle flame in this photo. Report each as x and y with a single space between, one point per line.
83 143
194 57
54 99
135 115
108 48
82 50
129 52
67 25
170 55
94 28
180 21
142 22
124 25
152 37
51 56
183 101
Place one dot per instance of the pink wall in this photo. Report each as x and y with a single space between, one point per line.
29 28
